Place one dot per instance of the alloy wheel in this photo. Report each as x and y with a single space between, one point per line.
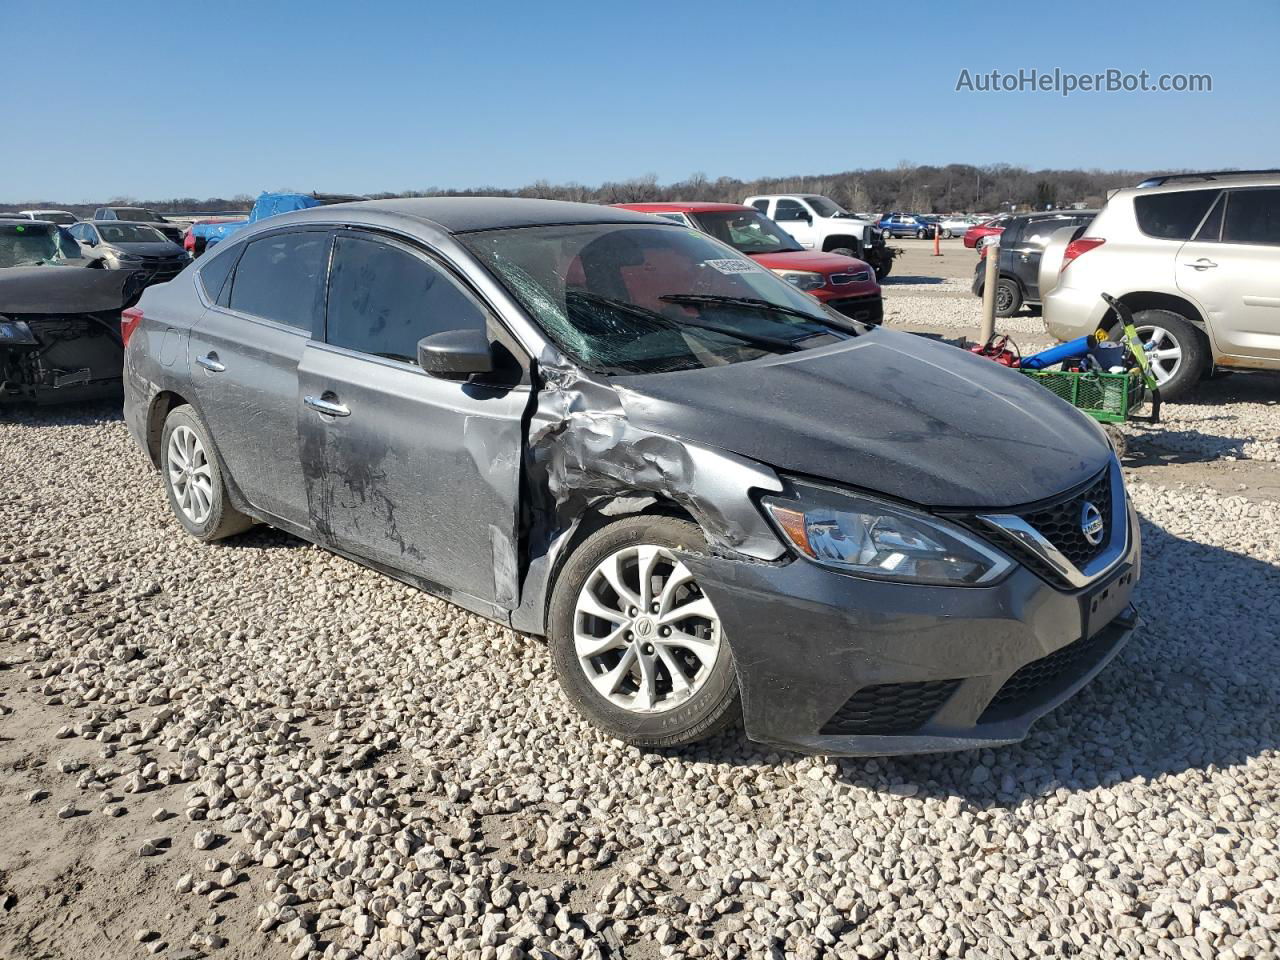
1164 352
644 633
190 474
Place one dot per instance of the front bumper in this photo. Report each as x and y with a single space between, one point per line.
834 664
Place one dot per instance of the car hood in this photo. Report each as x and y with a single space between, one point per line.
48 291
824 263
887 412
149 248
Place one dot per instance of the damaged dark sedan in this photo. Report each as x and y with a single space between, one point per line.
60 336
717 499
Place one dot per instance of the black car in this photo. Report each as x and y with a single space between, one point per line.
718 499
1021 246
132 246
172 231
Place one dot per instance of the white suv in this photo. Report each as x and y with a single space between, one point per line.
1197 258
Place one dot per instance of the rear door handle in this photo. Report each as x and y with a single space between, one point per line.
1204 263
210 362
320 405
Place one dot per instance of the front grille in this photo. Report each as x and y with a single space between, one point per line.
868 309
1039 677
890 708
1060 523
841 279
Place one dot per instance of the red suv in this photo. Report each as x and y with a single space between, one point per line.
842 283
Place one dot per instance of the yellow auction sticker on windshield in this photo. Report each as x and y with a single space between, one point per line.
733 266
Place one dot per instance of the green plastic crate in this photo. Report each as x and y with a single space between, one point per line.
1108 397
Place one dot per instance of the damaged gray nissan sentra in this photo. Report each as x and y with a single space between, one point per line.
716 498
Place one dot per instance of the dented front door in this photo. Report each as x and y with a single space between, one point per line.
417 473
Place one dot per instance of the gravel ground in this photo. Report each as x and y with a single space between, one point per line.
262 750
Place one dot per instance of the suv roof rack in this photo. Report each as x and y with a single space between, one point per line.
1211 175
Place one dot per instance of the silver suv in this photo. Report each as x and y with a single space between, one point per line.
1197 258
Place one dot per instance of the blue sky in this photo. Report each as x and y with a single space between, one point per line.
163 99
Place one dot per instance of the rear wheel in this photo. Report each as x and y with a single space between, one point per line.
1008 297
637 646
1177 350
193 478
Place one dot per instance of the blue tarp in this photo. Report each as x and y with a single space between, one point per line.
272 204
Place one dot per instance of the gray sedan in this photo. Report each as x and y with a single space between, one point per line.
132 246
719 500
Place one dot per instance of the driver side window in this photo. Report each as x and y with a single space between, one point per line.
384 299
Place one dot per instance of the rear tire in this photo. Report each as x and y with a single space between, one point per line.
193 478
1008 297
608 647
1181 356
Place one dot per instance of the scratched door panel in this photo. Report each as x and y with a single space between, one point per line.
423 474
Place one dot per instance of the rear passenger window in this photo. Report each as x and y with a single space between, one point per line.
384 299
278 278
1253 216
213 274
1172 216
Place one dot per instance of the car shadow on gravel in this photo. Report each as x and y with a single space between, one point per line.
1239 386
1154 446
904 279
62 415
1198 687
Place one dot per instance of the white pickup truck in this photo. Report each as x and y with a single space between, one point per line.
819 223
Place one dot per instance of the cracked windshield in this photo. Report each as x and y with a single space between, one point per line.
650 299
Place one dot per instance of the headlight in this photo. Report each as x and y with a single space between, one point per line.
872 538
121 255
803 279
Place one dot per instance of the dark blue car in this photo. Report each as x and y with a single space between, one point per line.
905 225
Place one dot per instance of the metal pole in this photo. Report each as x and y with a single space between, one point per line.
991 245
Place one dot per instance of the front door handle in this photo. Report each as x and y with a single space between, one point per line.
210 362
321 405
1204 263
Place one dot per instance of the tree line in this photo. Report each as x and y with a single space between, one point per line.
908 187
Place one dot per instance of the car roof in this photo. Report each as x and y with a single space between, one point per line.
697 206
471 214
1224 181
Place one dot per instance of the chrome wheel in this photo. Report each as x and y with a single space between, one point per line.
644 634
190 474
1163 351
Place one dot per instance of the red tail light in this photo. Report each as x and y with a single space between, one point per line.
189 242
1079 247
129 320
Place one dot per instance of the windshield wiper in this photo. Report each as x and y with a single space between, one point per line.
758 302
756 339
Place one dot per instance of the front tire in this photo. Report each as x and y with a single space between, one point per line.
637 646
1179 352
947 234
193 478
844 252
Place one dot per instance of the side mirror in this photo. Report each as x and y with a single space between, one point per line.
455 354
